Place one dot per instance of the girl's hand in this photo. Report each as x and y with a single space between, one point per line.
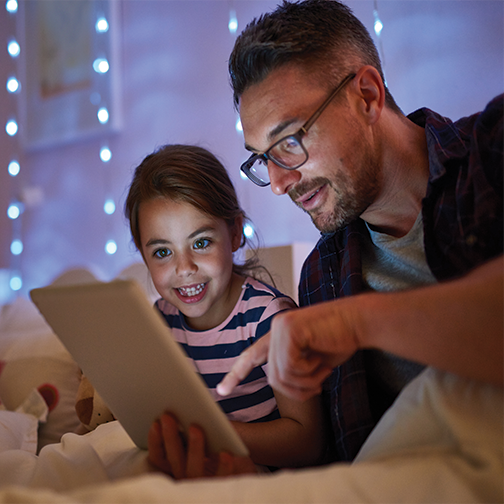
171 454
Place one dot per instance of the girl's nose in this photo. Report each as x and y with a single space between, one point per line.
281 179
185 265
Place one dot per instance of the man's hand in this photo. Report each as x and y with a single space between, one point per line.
301 349
253 356
181 459
306 345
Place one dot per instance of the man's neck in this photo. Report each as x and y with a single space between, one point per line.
405 176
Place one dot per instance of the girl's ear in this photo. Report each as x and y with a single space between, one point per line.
237 233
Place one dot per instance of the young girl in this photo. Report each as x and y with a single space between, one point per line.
186 222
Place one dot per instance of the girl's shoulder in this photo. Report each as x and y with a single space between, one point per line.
259 290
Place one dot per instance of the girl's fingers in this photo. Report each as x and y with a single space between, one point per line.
173 446
157 455
195 453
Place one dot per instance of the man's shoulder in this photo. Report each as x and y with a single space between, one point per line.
337 241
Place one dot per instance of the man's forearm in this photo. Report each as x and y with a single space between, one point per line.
456 326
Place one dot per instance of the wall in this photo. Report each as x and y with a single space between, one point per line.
447 55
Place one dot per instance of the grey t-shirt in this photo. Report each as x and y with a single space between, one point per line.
393 264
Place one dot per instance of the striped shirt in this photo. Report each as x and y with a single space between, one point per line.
213 352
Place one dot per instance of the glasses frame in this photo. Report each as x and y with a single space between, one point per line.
265 156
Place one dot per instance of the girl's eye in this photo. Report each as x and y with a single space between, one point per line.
160 253
201 243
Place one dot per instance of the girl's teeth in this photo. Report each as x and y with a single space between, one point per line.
191 291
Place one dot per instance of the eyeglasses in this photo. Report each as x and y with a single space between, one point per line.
289 152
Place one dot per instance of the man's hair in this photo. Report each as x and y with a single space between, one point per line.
321 36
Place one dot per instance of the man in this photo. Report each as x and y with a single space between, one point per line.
408 271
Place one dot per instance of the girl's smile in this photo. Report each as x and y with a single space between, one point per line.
192 293
190 257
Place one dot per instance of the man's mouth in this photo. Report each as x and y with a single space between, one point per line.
310 199
312 195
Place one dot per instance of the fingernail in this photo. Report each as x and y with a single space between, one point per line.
221 390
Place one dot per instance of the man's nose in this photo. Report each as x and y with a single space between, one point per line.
282 179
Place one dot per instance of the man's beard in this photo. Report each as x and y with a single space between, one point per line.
351 199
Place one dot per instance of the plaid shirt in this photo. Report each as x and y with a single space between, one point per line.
463 223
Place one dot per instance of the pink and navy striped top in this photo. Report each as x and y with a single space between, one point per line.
214 351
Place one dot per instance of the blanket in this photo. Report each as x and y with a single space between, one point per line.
441 441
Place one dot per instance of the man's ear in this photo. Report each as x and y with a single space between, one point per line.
237 233
371 89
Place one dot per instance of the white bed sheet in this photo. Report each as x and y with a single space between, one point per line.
442 441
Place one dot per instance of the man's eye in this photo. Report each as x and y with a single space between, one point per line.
162 253
201 243
290 144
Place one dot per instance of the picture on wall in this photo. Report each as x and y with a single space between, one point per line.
70 71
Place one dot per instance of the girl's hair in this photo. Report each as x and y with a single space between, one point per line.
191 174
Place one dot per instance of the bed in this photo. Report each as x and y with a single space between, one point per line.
442 440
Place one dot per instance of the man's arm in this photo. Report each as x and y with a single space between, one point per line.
456 326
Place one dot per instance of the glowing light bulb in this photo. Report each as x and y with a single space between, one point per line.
13 85
11 127
109 207
13 48
111 247
16 247
378 27
248 231
13 168
101 65
16 283
105 154
14 210
11 6
103 115
233 22
102 25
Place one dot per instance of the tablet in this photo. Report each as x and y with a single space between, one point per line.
124 347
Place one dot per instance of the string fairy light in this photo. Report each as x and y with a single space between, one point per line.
378 27
101 66
16 206
233 21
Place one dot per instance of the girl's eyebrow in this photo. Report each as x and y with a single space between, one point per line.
156 241
161 241
202 229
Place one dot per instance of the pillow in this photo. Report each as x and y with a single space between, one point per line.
32 357
18 432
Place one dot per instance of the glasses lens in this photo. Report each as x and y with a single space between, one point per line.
258 172
288 153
